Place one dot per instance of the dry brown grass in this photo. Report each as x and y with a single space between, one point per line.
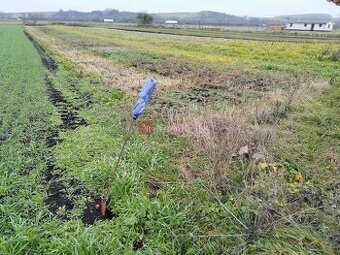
220 133
129 79
274 105
208 128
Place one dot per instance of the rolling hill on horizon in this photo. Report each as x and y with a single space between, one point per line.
203 17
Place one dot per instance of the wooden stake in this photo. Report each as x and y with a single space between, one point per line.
109 183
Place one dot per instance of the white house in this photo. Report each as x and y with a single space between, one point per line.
310 24
171 22
108 20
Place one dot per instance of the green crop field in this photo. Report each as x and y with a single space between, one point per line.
241 32
244 155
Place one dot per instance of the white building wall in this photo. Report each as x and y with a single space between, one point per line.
171 22
320 27
309 27
299 26
324 27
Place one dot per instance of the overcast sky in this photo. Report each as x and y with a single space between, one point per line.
238 7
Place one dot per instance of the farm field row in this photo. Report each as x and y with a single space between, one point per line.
234 33
235 165
238 33
131 49
46 207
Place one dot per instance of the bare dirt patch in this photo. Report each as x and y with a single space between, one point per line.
68 113
57 187
111 74
62 192
209 78
48 62
91 214
57 196
155 184
85 97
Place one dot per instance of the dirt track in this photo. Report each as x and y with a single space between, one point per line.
62 191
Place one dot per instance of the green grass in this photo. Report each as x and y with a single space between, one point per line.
129 47
308 142
240 33
179 217
24 121
167 221
315 126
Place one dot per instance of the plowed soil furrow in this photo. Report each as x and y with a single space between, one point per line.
48 62
68 113
58 196
62 191
86 97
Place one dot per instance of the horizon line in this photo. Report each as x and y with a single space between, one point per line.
170 12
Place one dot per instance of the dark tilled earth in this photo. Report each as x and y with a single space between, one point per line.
56 183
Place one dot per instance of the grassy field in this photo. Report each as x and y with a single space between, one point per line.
244 157
135 48
225 32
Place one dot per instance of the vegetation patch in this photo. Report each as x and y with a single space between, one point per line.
71 120
48 62
242 159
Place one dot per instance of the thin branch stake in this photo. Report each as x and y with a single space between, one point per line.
109 183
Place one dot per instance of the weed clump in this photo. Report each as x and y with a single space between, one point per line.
330 55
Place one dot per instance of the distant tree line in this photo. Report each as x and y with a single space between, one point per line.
200 18
94 16
144 18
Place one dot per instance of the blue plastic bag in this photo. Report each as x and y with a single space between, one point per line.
144 97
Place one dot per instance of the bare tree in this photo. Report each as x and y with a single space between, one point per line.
33 18
144 18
